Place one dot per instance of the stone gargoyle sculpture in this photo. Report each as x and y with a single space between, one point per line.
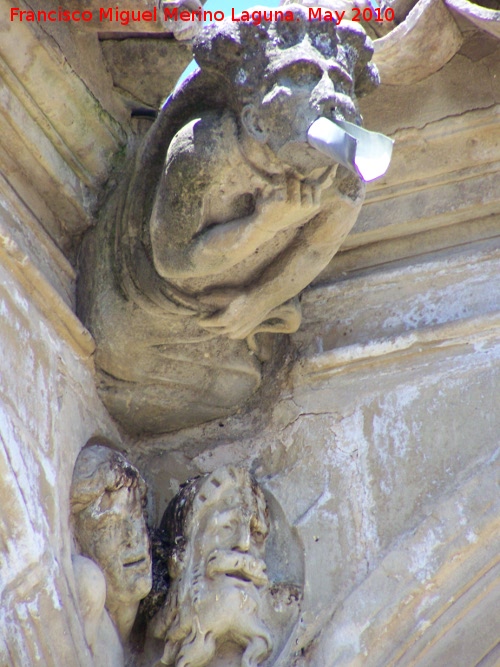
221 608
227 214
113 569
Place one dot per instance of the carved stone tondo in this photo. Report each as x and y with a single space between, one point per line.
215 530
114 568
226 216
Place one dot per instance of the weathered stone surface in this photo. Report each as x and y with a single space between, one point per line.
30 275
446 154
222 605
425 41
26 243
60 133
452 288
113 568
345 454
78 119
480 14
433 595
48 409
133 61
378 454
228 215
392 415
459 87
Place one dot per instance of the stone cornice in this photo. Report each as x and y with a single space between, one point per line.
74 120
61 138
468 332
386 316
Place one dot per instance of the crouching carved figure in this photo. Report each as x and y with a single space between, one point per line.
113 569
226 216
221 608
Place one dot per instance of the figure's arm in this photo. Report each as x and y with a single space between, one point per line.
91 592
311 251
100 633
180 250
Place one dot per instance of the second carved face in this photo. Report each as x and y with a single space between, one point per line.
107 497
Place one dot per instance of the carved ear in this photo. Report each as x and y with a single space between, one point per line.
251 121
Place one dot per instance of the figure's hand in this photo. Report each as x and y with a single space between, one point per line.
238 319
221 297
291 206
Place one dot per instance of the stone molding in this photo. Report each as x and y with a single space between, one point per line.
62 137
18 224
48 300
436 589
420 170
391 350
421 315
71 116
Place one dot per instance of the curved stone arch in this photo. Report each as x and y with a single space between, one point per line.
482 17
432 599
419 46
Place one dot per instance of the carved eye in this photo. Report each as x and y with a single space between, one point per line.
258 536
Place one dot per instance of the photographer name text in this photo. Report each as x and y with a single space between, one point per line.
126 16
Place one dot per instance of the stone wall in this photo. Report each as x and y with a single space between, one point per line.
57 143
379 440
48 410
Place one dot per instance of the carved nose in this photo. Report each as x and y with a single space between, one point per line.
330 102
325 93
130 532
242 542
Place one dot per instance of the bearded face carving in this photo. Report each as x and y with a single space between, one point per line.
216 528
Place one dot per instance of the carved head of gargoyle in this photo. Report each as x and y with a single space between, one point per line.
216 528
281 76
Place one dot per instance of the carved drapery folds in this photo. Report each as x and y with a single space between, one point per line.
225 217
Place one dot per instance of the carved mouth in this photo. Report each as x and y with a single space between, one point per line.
240 576
132 563
241 567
